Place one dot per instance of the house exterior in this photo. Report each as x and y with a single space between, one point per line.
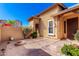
57 22
7 31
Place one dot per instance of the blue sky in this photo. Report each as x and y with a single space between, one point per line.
23 11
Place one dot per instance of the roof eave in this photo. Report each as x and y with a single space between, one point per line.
67 10
57 4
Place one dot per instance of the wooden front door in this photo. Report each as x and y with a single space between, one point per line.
72 26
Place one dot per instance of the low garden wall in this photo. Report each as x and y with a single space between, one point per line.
0 34
7 32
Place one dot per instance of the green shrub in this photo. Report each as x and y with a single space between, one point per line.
34 35
76 36
66 49
26 30
13 22
75 52
70 50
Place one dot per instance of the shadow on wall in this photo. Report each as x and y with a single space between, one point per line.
7 32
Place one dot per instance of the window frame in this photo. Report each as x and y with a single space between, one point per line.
53 27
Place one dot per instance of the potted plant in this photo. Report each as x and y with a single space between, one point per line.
34 35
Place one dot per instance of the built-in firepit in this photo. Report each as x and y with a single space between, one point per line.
19 43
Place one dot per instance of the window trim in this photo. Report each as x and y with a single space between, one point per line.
65 24
53 27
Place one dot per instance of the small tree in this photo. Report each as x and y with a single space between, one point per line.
26 30
13 22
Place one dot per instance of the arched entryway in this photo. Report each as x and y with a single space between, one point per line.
70 24
72 27
37 27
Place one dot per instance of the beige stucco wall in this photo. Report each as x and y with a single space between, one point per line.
44 22
7 32
31 24
0 34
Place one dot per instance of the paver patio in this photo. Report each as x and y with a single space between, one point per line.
38 47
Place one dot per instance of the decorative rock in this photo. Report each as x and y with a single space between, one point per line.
8 42
11 38
2 50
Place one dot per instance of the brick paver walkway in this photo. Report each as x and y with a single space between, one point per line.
38 47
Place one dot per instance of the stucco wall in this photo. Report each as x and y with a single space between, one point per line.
44 22
31 24
0 34
7 32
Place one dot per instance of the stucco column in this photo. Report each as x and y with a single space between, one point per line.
60 33
0 34
58 27
61 27
34 29
78 23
